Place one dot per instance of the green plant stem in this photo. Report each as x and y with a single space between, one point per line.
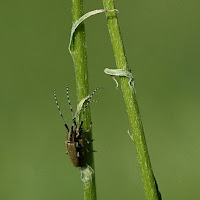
78 51
131 105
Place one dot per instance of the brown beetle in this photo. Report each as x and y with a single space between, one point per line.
76 145
75 142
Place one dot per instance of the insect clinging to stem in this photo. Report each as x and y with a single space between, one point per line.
76 144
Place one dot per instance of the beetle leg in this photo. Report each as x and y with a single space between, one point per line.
88 141
87 131
90 150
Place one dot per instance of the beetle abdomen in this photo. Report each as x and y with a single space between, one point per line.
75 153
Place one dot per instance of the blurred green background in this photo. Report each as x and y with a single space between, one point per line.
162 44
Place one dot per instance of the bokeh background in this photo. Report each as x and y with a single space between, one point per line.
162 44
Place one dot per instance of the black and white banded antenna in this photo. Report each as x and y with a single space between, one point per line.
69 102
60 110
86 107
88 102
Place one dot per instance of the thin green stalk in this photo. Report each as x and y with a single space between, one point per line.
78 51
137 130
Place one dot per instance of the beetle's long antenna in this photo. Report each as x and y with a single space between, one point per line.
60 110
69 102
88 102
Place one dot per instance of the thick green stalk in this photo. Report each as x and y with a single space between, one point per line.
78 51
137 130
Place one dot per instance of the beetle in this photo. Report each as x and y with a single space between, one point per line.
76 144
